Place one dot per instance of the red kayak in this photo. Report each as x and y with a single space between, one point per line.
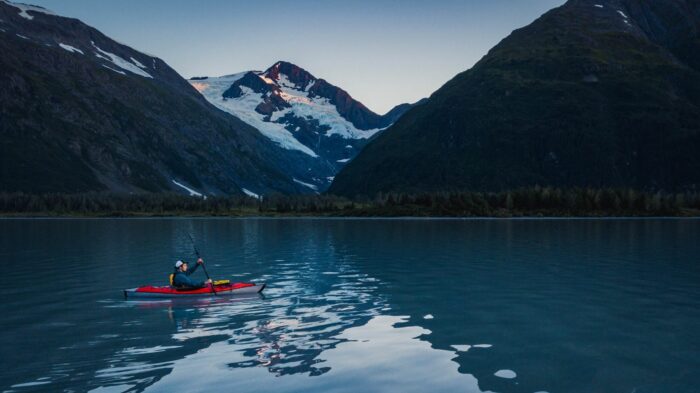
237 288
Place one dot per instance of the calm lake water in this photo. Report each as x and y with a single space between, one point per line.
355 306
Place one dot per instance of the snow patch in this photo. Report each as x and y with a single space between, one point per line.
624 17
22 36
343 160
24 8
429 316
311 186
114 69
482 346
138 63
598 5
250 193
191 191
320 109
244 106
276 127
71 49
267 80
285 82
121 63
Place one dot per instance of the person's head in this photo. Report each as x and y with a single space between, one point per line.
181 266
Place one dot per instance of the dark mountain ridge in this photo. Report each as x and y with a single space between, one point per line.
81 112
593 93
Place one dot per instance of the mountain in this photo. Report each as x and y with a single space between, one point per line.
594 93
299 112
81 112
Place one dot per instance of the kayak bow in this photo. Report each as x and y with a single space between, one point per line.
238 288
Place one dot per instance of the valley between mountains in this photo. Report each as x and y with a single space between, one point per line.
594 93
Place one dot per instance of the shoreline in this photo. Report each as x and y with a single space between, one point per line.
6 216
533 202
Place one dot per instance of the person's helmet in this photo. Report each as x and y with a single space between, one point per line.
178 264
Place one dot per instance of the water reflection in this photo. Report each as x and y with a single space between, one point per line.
337 334
410 306
284 332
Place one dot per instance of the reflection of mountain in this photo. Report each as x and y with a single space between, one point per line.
286 333
283 337
322 317
375 356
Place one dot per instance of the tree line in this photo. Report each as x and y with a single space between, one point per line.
533 201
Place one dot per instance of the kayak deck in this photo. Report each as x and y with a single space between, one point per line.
150 291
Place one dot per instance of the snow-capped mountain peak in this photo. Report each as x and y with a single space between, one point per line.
293 108
298 111
289 75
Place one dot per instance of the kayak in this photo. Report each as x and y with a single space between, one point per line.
236 288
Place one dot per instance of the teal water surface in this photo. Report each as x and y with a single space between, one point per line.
354 306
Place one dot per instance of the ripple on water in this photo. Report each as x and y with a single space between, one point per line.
142 351
336 306
507 374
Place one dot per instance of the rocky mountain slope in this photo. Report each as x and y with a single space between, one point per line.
594 93
81 112
299 112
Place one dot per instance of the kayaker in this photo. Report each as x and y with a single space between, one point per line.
182 278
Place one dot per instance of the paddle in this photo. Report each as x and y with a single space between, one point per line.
203 267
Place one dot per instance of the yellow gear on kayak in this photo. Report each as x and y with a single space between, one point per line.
217 282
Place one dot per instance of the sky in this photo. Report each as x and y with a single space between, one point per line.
383 52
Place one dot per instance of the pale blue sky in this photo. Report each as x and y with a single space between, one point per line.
383 52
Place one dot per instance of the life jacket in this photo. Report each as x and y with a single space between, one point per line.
171 278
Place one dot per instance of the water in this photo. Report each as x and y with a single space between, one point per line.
355 305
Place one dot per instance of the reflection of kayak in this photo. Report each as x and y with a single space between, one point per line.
237 288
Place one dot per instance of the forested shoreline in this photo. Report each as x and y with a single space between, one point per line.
525 202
